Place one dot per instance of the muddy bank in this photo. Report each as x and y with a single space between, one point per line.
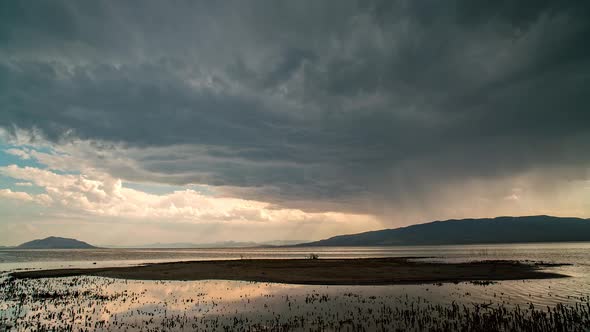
369 271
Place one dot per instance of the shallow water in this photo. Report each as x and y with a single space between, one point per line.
574 252
110 304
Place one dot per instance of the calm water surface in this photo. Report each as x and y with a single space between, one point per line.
136 305
575 253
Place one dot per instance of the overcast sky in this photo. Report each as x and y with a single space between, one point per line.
129 122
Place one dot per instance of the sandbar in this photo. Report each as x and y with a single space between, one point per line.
364 271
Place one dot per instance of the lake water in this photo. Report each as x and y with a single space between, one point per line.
110 304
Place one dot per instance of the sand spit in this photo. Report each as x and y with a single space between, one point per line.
369 271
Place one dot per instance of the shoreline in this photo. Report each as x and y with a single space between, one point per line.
363 271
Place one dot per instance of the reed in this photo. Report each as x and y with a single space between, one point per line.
82 304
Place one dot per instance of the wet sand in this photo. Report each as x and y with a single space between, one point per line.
370 271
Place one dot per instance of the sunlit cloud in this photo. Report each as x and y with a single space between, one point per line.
102 195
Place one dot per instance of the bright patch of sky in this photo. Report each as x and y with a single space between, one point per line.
162 189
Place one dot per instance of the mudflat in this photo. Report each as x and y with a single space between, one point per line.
366 271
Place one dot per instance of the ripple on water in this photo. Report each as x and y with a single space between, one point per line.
110 304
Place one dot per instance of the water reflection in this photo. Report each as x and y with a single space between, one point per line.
111 304
95 303
553 252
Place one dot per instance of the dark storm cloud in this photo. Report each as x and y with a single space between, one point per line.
321 100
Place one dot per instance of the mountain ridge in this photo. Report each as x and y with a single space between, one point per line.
504 229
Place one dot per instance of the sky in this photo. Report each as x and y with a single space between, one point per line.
133 122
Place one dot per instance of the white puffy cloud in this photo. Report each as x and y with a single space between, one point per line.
22 196
42 199
103 195
22 154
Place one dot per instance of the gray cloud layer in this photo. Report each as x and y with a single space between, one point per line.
332 102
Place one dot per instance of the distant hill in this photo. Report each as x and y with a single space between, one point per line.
471 231
53 242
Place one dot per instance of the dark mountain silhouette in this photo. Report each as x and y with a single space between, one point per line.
53 242
471 231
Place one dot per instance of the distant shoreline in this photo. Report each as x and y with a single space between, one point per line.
303 246
364 271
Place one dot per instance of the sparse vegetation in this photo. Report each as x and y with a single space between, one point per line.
81 304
